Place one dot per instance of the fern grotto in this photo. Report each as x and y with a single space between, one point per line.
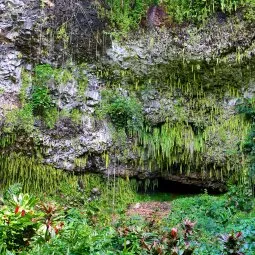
127 127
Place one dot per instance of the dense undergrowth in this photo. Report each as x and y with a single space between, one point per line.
75 222
129 14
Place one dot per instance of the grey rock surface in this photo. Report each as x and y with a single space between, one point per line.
33 34
216 39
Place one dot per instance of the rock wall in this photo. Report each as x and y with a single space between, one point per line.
33 32
186 78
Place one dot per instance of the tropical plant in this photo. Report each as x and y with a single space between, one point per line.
232 243
41 99
240 198
125 112
17 222
51 221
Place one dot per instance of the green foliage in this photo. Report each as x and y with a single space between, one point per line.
24 220
76 116
190 131
249 13
51 116
214 215
37 101
196 226
246 107
43 73
125 112
246 225
20 119
127 15
240 198
14 189
41 100
82 83
16 168
78 238
16 225
197 10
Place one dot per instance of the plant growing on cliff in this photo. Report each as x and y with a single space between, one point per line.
197 10
246 107
36 97
125 112
41 100
127 15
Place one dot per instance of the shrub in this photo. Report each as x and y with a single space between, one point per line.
23 221
17 226
124 112
126 15
43 73
197 10
240 198
232 243
41 100
246 106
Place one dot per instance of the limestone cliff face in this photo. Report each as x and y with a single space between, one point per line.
188 81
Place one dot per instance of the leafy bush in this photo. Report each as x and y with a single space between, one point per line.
43 73
240 198
23 221
17 226
126 15
246 106
41 100
124 112
197 10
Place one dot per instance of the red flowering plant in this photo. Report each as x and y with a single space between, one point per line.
232 243
179 240
17 224
51 221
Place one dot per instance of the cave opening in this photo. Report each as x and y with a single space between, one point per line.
161 185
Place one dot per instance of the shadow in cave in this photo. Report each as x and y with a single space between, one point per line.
161 185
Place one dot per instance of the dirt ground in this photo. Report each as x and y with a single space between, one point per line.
149 210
